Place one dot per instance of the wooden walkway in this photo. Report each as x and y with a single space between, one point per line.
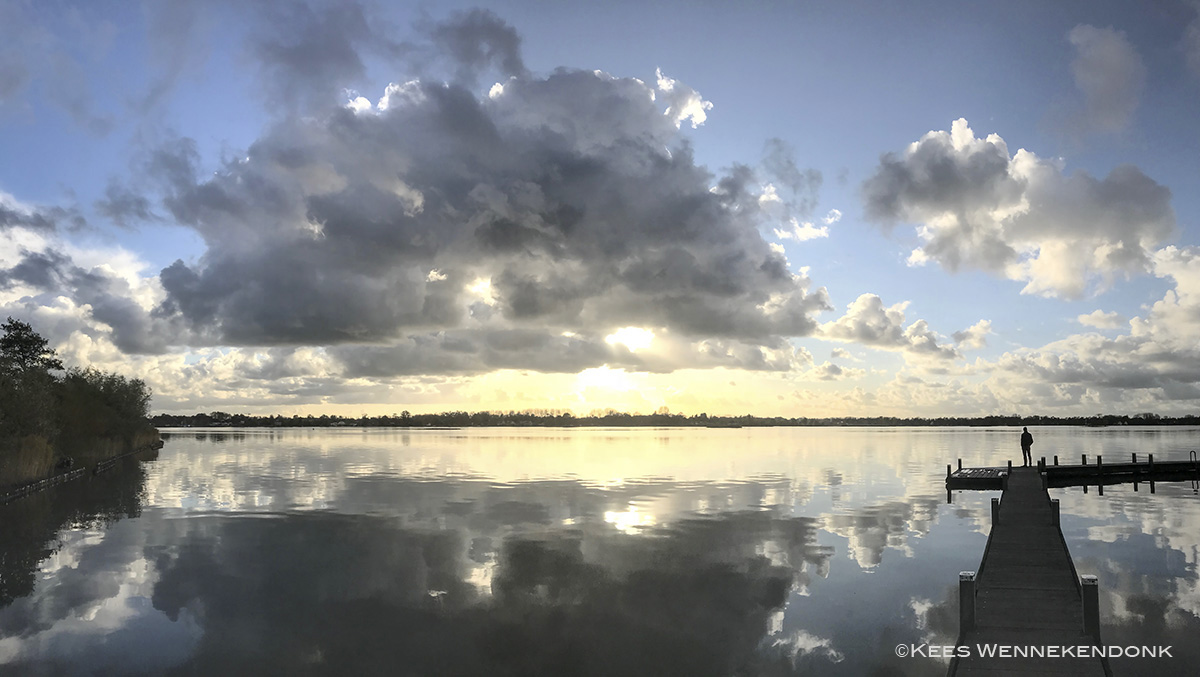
1026 592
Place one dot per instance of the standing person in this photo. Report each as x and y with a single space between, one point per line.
1026 443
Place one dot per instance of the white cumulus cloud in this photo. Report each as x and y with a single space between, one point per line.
1019 216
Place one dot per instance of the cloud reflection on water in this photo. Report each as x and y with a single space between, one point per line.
364 594
553 552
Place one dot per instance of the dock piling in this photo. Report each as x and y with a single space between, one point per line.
1151 462
995 511
960 464
1091 606
1085 459
1135 457
1056 459
947 471
1054 512
966 601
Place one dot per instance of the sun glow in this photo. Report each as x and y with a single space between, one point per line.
633 338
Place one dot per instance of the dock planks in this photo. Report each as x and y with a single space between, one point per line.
1026 590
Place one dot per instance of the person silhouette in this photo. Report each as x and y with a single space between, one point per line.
1026 443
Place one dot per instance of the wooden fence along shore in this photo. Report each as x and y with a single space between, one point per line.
1026 593
100 467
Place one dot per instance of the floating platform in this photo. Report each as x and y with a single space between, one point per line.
1097 472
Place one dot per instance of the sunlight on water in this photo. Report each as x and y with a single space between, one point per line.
551 551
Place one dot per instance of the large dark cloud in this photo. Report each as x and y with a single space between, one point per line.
550 212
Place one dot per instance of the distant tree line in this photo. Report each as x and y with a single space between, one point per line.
559 418
49 413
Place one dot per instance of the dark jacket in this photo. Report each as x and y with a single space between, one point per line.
1026 439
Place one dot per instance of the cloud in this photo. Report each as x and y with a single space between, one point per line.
571 196
973 337
1110 75
310 51
683 102
832 217
17 214
801 232
107 298
1155 366
124 206
802 187
1102 320
478 40
869 322
1019 216
832 372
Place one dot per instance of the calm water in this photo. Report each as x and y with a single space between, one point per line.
561 552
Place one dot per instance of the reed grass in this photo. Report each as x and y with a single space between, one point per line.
27 459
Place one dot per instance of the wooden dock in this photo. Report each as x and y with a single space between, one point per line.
1026 595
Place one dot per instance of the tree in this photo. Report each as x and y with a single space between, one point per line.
22 350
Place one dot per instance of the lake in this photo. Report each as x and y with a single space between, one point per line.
499 551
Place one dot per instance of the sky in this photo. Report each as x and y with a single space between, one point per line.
775 208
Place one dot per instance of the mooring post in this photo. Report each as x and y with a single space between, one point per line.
1054 512
966 601
1085 459
1135 457
1010 465
1151 462
1045 480
1099 466
947 471
1042 464
1003 481
995 511
960 464
1056 459
1091 606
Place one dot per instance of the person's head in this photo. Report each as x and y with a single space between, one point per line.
1025 429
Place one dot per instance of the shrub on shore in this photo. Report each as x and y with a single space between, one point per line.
85 414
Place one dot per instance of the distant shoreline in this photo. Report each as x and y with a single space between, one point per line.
660 420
